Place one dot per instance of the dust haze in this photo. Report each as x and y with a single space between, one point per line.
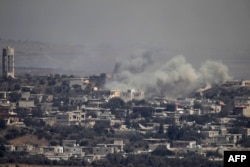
175 77
92 35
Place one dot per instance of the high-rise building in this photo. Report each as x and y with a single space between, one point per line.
8 62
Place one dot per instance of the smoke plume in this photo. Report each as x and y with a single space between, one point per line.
175 77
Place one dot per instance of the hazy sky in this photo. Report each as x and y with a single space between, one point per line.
192 27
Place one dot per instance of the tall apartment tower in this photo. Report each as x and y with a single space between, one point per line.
8 62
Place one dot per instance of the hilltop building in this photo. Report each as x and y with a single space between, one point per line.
8 62
240 83
242 105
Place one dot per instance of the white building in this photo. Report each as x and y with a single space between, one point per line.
130 94
8 62
236 83
242 105
71 118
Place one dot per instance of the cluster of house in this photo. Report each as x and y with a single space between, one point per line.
70 149
126 95
238 83
216 139
217 136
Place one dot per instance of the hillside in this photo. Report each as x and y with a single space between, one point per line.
28 139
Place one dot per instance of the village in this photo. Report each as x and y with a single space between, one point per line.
66 118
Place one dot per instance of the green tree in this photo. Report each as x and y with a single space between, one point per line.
2 124
37 112
2 150
115 103
213 154
100 126
115 158
128 123
172 132
128 148
138 102
42 82
12 134
245 142
161 129
77 87
52 82
17 87
14 97
162 151
49 90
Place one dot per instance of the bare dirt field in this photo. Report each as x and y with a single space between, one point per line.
29 139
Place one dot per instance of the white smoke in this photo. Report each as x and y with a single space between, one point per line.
173 78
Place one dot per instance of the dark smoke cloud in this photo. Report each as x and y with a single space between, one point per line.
173 78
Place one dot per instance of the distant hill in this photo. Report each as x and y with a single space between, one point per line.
33 56
72 59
